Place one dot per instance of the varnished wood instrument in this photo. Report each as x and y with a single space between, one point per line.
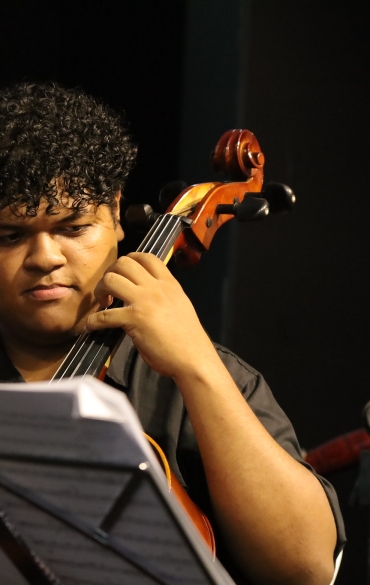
185 231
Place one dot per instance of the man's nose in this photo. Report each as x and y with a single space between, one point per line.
44 254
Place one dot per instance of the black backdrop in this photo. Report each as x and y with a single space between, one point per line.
300 284
124 52
290 294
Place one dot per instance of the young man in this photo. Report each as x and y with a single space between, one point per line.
64 159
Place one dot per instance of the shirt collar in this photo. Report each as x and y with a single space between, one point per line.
8 373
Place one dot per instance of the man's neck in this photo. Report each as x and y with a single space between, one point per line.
35 362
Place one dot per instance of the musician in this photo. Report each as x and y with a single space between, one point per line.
64 159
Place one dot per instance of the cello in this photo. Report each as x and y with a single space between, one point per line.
185 231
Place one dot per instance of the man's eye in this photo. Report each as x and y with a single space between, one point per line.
11 238
73 230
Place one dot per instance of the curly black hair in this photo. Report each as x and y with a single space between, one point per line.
51 136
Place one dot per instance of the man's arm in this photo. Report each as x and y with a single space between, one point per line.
286 533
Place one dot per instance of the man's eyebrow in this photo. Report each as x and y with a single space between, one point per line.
75 214
9 226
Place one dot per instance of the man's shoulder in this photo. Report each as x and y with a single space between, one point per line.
230 358
244 375
127 358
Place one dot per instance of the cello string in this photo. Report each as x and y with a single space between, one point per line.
169 239
156 227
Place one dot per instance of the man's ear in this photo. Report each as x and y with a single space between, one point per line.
117 217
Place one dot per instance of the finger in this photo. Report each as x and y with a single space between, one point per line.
109 319
131 269
115 285
153 265
106 301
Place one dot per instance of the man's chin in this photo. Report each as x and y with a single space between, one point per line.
54 335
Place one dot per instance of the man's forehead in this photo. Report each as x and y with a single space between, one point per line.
63 210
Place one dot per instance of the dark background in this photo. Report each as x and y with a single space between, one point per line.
290 294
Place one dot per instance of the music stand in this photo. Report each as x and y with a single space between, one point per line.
84 498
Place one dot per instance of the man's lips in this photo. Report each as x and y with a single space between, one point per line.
49 293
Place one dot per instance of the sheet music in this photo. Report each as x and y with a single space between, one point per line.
77 398
84 420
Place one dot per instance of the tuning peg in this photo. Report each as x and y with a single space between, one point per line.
250 209
140 216
280 197
169 192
